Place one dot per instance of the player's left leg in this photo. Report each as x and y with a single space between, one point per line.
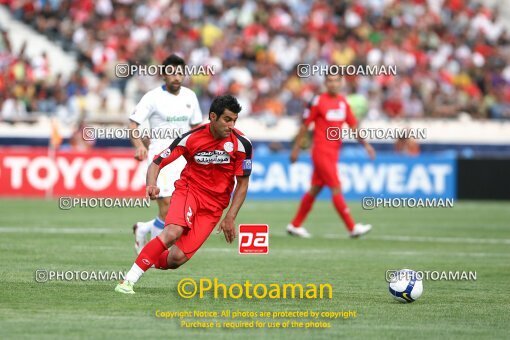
329 174
172 258
190 241
341 207
176 258
186 238
149 256
355 229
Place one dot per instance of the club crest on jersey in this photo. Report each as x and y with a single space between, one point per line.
228 146
212 157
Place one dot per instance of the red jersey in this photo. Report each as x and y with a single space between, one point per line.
212 164
327 111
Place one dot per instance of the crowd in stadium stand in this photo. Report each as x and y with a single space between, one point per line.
27 86
452 56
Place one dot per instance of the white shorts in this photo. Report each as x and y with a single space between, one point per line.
168 175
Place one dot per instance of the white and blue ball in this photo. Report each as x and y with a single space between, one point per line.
406 285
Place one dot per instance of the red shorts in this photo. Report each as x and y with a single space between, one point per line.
198 223
325 173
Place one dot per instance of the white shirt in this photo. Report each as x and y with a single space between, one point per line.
164 110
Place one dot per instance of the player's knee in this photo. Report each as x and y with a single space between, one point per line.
174 265
176 258
314 191
336 191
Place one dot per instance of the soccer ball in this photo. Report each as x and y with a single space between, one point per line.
406 285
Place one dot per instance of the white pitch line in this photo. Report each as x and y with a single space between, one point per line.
44 230
443 239
350 252
428 239
413 238
423 253
218 250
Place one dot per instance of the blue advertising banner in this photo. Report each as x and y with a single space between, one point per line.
389 176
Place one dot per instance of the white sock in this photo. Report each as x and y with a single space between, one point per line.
134 274
155 231
157 227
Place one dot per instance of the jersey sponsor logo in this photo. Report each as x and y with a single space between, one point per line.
212 157
177 119
247 164
228 146
336 114
253 239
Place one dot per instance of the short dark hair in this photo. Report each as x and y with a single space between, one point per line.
174 60
330 75
221 103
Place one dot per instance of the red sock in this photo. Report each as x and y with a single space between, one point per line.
343 211
162 260
304 209
150 253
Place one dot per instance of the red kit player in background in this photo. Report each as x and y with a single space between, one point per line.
328 110
217 155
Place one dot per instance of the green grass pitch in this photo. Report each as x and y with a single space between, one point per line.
472 236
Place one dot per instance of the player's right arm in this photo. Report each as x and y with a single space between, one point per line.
166 157
196 117
152 189
141 113
308 116
297 143
140 149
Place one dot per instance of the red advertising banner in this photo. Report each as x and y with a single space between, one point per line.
38 172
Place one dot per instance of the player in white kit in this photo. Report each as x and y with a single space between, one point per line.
170 109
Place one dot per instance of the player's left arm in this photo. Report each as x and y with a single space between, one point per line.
370 150
242 171
228 223
353 124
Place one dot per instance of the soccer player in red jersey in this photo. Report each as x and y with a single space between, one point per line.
217 156
329 111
